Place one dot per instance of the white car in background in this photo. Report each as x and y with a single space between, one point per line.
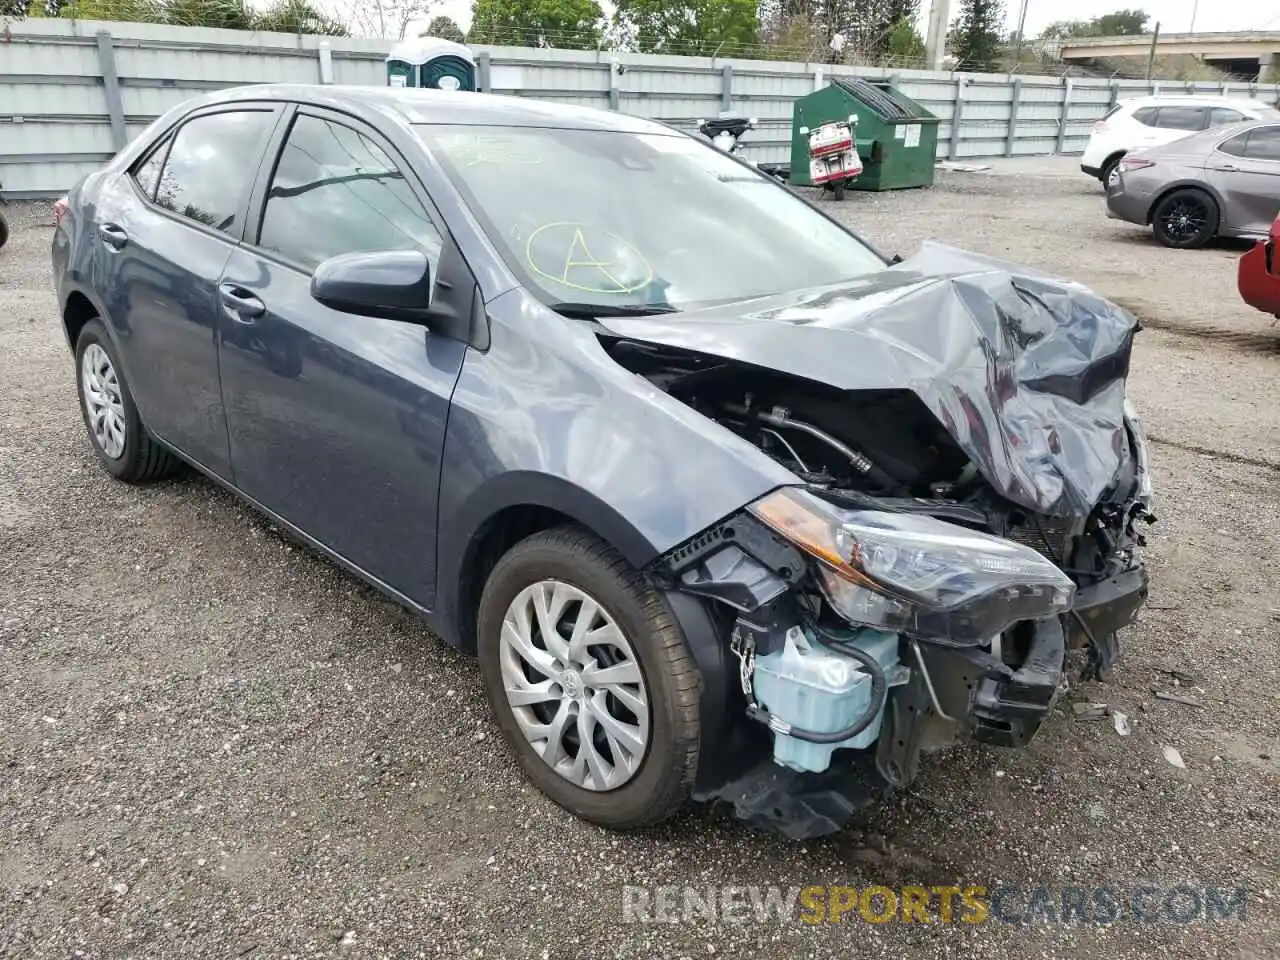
1154 121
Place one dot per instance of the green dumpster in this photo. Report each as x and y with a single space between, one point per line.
897 138
431 62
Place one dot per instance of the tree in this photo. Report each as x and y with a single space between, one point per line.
297 16
129 11
975 38
880 19
1121 23
386 19
905 44
569 24
227 14
726 27
445 28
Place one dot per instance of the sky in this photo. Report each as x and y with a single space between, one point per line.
1174 15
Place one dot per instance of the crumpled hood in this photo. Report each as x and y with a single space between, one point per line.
1026 372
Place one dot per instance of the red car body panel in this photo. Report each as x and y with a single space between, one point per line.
1258 276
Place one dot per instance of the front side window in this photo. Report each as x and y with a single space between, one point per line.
335 191
211 165
634 220
1181 118
1264 143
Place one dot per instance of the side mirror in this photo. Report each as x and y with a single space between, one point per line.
391 285
853 119
804 131
753 123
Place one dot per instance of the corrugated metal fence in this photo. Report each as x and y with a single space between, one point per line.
72 92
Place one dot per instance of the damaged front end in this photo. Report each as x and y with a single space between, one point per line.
971 488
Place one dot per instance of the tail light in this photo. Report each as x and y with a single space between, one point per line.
59 210
1100 126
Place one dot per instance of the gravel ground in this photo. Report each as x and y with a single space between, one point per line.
216 744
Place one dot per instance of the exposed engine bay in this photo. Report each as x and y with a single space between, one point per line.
925 580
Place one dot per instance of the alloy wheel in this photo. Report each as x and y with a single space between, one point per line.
574 685
1185 219
100 388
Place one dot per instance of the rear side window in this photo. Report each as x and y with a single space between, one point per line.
1146 116
147 173
1260 143
335 191
1181 118
1237 145
1264 143
1221 116
211 164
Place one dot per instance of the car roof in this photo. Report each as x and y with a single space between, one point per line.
1196 100
426 106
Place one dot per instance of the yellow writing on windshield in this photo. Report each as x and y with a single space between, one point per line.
586 258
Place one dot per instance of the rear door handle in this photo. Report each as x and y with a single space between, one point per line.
241 302
113 235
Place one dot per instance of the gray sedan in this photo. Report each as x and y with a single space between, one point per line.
724 503
1220 183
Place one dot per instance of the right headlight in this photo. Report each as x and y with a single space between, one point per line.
915 574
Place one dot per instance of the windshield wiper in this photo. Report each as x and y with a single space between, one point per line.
589 311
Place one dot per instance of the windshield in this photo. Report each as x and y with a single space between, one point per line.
630 221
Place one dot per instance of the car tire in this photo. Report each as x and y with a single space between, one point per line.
1185 219
111 418
4 230
1108 170
630 784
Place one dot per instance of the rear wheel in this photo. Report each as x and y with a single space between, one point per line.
837 188
1185 219
590 680
120 440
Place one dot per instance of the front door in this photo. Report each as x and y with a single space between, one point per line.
170 224
337 421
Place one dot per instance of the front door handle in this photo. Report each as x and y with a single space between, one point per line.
1227 168
113 235
241 302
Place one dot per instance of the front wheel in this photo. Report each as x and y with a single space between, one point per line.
1185 219
590 680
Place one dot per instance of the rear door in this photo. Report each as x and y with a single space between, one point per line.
337 421
166 230
1245 169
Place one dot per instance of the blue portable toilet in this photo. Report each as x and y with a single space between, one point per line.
431 62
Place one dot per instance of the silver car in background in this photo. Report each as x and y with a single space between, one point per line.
1219 183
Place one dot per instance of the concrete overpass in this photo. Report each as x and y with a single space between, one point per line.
1250 54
